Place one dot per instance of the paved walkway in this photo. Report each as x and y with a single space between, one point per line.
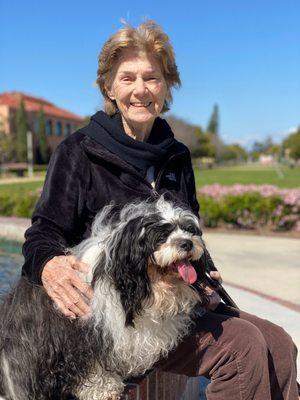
12 228
270 265
262 274
270 268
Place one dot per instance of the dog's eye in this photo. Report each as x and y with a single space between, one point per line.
163 231
191 228
194 230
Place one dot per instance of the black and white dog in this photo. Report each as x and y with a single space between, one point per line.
142 307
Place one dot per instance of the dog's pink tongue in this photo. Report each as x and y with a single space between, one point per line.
186 271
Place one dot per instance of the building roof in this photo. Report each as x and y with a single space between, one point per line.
34 104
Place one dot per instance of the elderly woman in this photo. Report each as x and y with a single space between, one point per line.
127 153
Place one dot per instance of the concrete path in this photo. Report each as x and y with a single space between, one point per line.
270 268
12 228
270 265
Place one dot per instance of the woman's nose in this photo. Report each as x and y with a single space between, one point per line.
140 86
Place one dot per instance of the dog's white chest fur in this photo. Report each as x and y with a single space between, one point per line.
164 321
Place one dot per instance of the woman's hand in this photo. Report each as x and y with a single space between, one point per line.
65 287
216 276
213 296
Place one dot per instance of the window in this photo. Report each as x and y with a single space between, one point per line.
35 125
58 128
49 127
67 129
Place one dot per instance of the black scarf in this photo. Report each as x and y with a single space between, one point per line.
109 132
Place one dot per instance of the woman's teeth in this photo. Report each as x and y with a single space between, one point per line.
141 104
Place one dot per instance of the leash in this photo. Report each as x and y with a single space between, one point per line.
216 285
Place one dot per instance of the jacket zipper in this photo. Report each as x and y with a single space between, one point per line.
162 170
159 176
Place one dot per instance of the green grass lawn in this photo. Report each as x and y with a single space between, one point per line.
283 177
20 188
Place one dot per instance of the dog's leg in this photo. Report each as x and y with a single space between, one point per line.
8 377
101 386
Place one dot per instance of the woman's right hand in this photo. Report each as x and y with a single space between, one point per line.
65 287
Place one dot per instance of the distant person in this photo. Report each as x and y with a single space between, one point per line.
128 152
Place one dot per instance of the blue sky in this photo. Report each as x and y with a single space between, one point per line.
242 55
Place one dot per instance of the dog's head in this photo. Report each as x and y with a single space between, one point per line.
151 241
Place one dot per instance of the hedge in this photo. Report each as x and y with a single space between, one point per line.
17 205
237 206
250 207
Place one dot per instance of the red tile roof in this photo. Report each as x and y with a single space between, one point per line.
33 104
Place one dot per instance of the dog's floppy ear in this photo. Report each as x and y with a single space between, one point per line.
129 268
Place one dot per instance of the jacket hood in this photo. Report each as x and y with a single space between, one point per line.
109 132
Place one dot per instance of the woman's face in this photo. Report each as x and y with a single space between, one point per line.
139 89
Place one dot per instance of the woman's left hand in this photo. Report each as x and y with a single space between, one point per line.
213 296
216 276
66 288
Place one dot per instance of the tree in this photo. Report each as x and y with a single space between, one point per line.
214 122
205 147
183 131
21 133
234 152
267 146
213 127
274 149
292 142
6 146
262 147
41 136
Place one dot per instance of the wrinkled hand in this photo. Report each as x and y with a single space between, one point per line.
65 287
213 296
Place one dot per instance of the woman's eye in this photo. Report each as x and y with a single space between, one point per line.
126 79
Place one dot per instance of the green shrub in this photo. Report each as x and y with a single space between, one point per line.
249 210
7 203
17 205
211 211
24 207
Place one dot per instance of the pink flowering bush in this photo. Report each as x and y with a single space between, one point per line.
250 206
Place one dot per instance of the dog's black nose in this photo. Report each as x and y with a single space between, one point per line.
186 244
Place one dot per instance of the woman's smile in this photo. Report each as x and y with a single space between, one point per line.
141 105
139 90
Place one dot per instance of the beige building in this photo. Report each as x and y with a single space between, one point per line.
60 123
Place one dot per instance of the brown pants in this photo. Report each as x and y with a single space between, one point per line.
245 357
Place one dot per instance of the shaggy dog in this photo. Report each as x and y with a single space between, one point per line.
143 305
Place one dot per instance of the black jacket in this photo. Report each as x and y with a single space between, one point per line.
82 177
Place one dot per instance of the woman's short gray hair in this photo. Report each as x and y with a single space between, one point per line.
147 37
